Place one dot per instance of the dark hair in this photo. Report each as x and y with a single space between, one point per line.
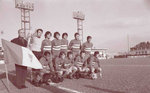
82 52
46 53
96 52
62 53
76 34
89 37
39 30
69 53
48 32
64 35
56 34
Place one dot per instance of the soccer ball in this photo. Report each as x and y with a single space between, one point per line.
94 76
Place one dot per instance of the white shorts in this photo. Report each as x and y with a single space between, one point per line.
83 69
70 70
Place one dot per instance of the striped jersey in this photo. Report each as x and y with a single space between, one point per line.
58 63
87 47
80 62
93 62
75 45
64 45
68 63
46 45
56 45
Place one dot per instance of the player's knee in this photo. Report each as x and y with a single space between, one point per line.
60 73
75 69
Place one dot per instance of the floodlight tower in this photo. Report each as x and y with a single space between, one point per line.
25 8
79 16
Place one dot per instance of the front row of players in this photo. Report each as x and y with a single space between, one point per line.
66 66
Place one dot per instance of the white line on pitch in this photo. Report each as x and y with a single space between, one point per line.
66 89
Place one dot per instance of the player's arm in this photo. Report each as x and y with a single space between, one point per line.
82 47
51 66
55 64
98 62
70 45
53 44
76 60
85 63
90 61
42 45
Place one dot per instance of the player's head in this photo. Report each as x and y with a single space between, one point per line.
89 38
47 54
62 55
70 55
56 35
96 54
77 36
39 32
82 54
48 34
21 33
64 35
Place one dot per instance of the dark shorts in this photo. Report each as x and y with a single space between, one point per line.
37 54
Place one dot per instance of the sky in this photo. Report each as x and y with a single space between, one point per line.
109 22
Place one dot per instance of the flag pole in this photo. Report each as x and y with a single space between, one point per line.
7 77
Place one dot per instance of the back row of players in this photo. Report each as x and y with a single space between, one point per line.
57 45
63 57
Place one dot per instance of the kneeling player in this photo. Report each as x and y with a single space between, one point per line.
81 63
94 65
46 62
69 68
58 64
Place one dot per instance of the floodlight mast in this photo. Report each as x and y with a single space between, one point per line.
79 16
25 8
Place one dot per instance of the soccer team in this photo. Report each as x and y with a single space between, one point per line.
61 59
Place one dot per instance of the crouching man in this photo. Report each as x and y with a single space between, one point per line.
44 75
81 65
94 65
81 62
58 66
68 66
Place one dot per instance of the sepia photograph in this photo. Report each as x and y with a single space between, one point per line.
74 46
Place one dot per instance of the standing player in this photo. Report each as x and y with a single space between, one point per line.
94 64
64 43
35 43
56 45
87 46
46 43
75 45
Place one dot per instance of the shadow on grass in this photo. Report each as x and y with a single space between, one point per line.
101 89
12 79
53 89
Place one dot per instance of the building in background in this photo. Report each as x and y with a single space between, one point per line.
141 49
